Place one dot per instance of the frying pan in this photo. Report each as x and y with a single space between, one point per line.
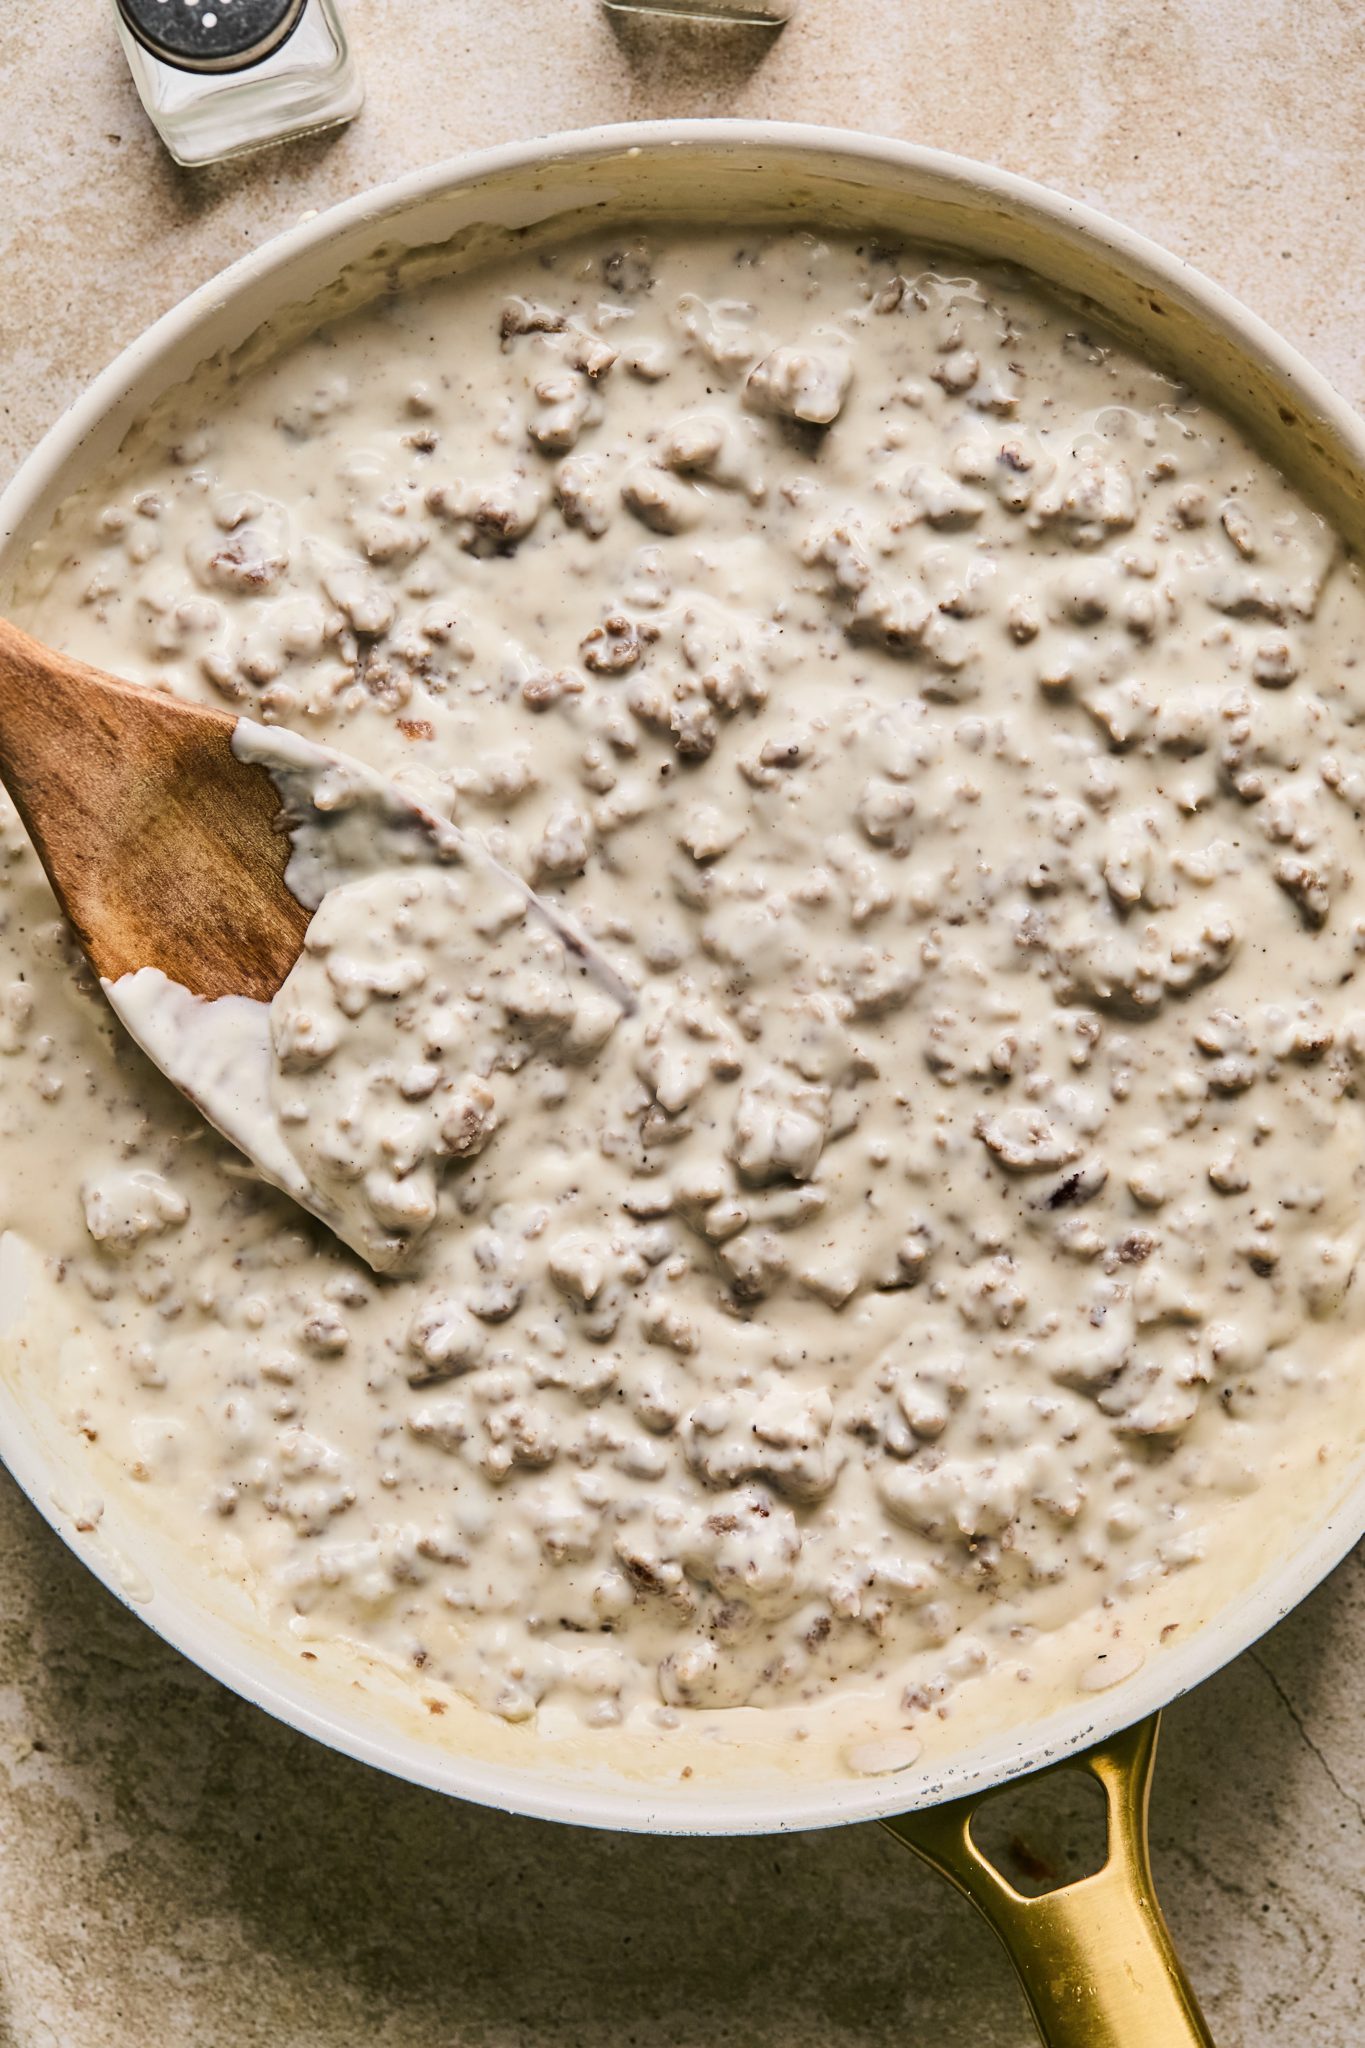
1095 1959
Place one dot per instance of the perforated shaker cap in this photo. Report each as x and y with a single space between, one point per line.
212 35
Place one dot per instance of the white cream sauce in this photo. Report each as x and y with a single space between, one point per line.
369 853
950 733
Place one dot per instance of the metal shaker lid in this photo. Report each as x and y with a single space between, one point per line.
211 35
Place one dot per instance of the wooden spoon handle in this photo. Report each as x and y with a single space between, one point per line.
159 843
65 730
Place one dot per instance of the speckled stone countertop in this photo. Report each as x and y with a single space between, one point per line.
174 1867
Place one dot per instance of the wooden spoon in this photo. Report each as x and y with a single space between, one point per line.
163 849
169 851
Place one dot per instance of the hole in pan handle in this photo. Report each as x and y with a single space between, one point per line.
1094 1957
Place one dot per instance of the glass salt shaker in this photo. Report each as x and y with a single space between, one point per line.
737 13
220 77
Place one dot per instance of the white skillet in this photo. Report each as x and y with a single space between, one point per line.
1094 1957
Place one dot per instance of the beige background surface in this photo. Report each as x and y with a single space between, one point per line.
174 1868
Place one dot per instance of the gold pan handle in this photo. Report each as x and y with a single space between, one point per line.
1094 1957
